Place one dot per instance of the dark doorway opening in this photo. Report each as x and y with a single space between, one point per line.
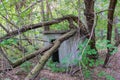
55 55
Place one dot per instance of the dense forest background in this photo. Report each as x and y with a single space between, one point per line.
23 23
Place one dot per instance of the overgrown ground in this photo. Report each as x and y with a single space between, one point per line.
112 72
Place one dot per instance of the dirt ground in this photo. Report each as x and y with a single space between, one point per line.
112 69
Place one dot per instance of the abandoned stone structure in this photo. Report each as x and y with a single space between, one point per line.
68 52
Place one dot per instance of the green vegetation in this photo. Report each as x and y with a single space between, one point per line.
55 67
21 32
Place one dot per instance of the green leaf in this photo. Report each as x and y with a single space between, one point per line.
109 77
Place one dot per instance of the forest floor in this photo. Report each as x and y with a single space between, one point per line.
112 71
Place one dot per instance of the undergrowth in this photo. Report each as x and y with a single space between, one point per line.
87 63
55 67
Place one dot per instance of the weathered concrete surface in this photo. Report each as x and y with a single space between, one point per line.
68 51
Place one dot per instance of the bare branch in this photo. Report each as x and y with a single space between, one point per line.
32 5
4 55
9 21
103 11
41 24
4 28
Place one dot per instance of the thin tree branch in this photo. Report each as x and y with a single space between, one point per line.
32 5
4 55
41 24
103 11
4 28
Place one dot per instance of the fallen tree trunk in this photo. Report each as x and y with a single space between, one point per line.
26 58
30 56
41 24
47 54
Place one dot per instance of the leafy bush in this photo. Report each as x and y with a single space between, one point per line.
8 42
86 62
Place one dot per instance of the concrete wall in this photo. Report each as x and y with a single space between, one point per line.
68 51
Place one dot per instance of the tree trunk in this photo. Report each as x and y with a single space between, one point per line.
89 13
112 6
30 56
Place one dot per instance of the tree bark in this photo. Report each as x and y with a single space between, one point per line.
35 71
112 6
26 58
89 13
41 24
30 56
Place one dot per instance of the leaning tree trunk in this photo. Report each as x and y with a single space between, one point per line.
112 6
47 54
89 13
